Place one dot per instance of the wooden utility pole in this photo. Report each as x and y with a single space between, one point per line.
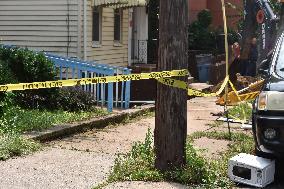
171 104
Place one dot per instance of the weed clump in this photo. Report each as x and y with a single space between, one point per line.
139 163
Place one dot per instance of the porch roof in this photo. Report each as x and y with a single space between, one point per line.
120 3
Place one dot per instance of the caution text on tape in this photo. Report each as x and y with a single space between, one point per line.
191 92
95 80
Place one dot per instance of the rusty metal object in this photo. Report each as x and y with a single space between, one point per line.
248 93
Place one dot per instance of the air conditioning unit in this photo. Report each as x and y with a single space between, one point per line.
251 170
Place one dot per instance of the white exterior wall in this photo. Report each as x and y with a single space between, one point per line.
108 52
40 25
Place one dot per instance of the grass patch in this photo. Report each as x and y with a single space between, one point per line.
16 120
20 120
215 124
242 111
199 172
15 145
146 114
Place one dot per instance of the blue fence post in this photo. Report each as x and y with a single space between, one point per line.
122 90
110 93
98 90
73 72
79 75
127 91
60 75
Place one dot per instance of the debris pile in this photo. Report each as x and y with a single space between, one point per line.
247 89
240 83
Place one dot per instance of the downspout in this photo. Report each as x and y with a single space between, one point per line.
80 30
85 29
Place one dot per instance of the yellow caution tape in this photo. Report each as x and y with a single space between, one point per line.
249 96
236 92
95 80
191 92
244 97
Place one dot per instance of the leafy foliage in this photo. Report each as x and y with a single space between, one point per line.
20 65
201 37
26 65
74 99
276 6
12 144
204 18
23 65
138 164
6 74
242 111
19 120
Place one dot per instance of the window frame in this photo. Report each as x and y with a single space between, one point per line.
118 42
95 43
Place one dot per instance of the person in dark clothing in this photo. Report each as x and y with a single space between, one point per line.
252 59
243 66
235 66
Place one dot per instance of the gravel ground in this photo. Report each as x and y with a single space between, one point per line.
146 185
84 160
55 168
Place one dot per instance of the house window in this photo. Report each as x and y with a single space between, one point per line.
117 25
97 26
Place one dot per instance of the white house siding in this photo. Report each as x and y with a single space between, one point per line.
40 25
107 53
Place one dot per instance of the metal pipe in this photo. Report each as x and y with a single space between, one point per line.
116 91
142 102
85 29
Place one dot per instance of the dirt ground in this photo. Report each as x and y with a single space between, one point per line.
84 160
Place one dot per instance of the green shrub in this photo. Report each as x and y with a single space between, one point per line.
204 18
26 65
138 164
204 37
242 111
201 37
23 65
19 120
74 99
6 74
12 144
199 171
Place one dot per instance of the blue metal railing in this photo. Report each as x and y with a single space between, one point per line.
108 94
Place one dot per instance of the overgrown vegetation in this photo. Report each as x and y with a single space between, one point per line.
20 65
138 164
29 110
242 111
12 144
15 120
204 37
19 120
